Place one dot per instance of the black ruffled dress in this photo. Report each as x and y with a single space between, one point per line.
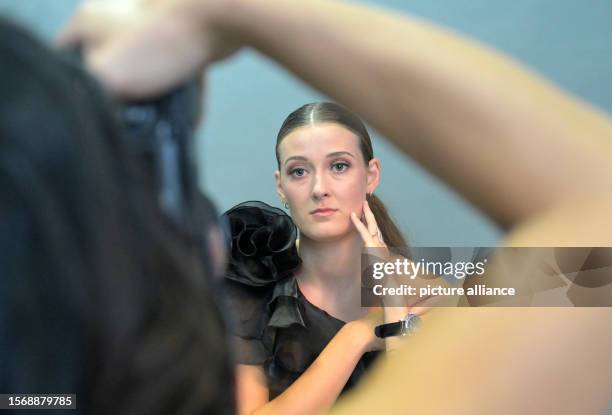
274 324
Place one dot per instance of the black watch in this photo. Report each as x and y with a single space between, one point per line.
403 327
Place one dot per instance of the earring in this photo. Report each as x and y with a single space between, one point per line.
286 205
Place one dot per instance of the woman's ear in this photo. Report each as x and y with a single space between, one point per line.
373 175
279 188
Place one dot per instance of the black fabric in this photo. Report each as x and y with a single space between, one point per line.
274 325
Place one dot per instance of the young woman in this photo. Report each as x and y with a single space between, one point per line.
303 335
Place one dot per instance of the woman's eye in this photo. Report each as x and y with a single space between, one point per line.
340 167
297 172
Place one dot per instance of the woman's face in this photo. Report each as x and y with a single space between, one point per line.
323 177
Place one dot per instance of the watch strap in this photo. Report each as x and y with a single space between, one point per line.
403 327
389 329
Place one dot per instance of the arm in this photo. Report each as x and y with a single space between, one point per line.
251 388
495 360
474 118
318 387
394 309
467 114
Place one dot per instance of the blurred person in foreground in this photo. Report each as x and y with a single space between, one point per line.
479 121
100 296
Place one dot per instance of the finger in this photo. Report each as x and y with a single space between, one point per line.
363 231
370 219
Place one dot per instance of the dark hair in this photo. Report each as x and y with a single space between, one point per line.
99 295
329 112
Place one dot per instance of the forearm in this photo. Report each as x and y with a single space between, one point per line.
318 388
464 362
466 113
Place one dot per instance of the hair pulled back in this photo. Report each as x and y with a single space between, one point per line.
330 112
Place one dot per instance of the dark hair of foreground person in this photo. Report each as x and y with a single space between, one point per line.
99 295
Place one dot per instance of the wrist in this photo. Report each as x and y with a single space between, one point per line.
358 334
225 17
209 25
251 22
393 313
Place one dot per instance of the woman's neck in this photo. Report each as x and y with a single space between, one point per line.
330 275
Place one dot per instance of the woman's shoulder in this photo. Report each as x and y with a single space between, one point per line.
262 260
262 243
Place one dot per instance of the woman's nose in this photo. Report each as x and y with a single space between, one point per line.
319 187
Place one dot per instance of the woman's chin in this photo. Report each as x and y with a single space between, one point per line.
326 233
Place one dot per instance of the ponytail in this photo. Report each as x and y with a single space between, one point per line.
391 234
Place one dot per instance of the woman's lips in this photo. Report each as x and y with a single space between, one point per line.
323 212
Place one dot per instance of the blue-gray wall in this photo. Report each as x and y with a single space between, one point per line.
248 97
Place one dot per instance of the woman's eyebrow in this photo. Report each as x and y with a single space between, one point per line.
302 158
340 153
334 154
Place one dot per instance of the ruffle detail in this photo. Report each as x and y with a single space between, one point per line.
284 305
262 293
263 249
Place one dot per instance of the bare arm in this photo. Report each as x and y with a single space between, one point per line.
503 361
506 360
318 387
476 119
473 117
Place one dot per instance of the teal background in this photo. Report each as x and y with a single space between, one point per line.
248 97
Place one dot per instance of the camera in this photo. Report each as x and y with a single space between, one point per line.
161 131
